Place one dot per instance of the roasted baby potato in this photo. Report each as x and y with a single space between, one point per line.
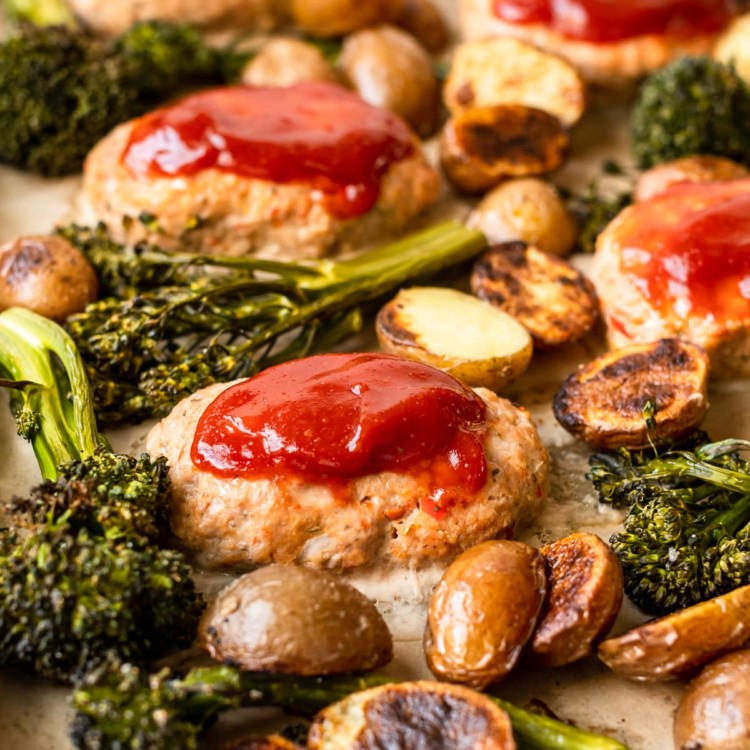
508 71
733 47
714 712
631 397
420 714
284 61
481 147
554 301
338 17
455 332
272 742
584 595
658 179
529 210
390 69
289 619
678 644
46 274
425 23
483 611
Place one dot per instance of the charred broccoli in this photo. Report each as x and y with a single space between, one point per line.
686 536
121 707
62 89
81 573
695 105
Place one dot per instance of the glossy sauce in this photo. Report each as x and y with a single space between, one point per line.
317 134
615 20
335 417
688 250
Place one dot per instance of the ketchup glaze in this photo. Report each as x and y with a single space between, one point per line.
688 250
313 133
332 418
614 20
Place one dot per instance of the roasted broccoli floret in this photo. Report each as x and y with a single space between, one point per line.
121 707
81 572
694 105
686 536
62 89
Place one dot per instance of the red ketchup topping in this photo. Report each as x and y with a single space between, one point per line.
313 133
688 250
335 417
614 20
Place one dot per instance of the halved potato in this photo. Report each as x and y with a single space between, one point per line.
455 332
607 402
660 178
421 714
680 643
584 595
508 71
526 209
481 147
554 301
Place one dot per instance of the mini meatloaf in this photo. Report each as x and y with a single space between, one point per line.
240 522
678 266
615 58
299 172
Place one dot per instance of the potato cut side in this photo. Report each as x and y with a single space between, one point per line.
481 147
508 71
655 392
455 332
421 714
678 644
584 595
554 301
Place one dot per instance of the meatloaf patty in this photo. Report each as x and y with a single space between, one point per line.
221 212
243 522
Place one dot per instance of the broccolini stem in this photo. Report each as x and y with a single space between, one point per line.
38 351
730 521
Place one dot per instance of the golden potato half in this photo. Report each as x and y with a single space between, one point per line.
630 397
455 332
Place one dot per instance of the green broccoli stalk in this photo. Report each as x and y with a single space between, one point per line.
686 536
81 573
694 105
120 707
62 89
146 352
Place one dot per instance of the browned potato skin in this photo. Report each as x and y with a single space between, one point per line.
413 715
286 61
602 402
339 17
390 69
584 595
312 624
526 209
554 301
46 274
714 712
483 611
483 146
678 644
660 178
425 23
272 742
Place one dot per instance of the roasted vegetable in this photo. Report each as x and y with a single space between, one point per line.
682 642
284 61
39 12
603 402
338 17
121 707
81 573
144 354
266 621
594 209
62 90
423 20
470 339
686 536
694 105
554 301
